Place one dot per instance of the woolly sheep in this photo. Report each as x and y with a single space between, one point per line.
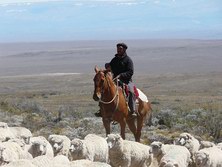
20 163
177 156
11 151
127 153
46 161
219 145
5 132
206 144
169 163
40 146
21 133
93 148
3 125
170 155
42 161
88 163
60 160
158 150
208 157
60 144
190 142
20 142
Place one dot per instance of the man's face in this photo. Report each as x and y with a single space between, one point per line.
120 50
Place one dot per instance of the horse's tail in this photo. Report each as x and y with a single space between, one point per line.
149 115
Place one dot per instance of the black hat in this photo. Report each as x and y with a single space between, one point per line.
122 45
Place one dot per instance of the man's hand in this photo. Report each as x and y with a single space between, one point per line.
107 66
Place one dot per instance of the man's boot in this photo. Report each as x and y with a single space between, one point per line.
133 114
132 105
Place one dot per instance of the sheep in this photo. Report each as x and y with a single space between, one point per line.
169 163
191 143
3 125
208 157
93 148
46 161
60 160
20 163
219 145
20 142
88 163
60 144
206 144
42 161
11 151
39 146
158 150
177 156
5 132
127 153
21 133
168 155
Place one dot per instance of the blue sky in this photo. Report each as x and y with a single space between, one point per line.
55 20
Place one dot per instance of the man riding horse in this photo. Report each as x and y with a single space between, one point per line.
122 68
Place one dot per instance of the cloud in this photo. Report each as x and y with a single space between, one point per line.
15 11
24 1
7 2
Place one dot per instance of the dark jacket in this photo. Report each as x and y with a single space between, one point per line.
122 66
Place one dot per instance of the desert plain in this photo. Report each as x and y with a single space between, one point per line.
40 81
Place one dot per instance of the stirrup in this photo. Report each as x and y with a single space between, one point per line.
114 123
134 114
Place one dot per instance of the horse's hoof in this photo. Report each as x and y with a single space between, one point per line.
98 114
114 123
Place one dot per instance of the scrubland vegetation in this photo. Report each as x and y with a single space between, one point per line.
64 105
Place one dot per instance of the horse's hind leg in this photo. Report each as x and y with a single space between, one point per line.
143 109
140 120
132 126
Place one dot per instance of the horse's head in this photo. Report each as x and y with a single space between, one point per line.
99 81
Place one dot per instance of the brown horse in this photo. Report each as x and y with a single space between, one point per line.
114 107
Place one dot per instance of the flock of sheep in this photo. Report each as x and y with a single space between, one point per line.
19 148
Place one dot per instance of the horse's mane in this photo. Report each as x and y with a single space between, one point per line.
108 74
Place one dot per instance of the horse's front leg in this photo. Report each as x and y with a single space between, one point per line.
106 124
122 128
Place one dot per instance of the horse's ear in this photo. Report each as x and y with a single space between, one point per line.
96 69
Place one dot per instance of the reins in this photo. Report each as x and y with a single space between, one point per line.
116 94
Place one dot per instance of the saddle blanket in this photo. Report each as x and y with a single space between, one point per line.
142 96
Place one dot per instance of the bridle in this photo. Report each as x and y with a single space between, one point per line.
116 94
